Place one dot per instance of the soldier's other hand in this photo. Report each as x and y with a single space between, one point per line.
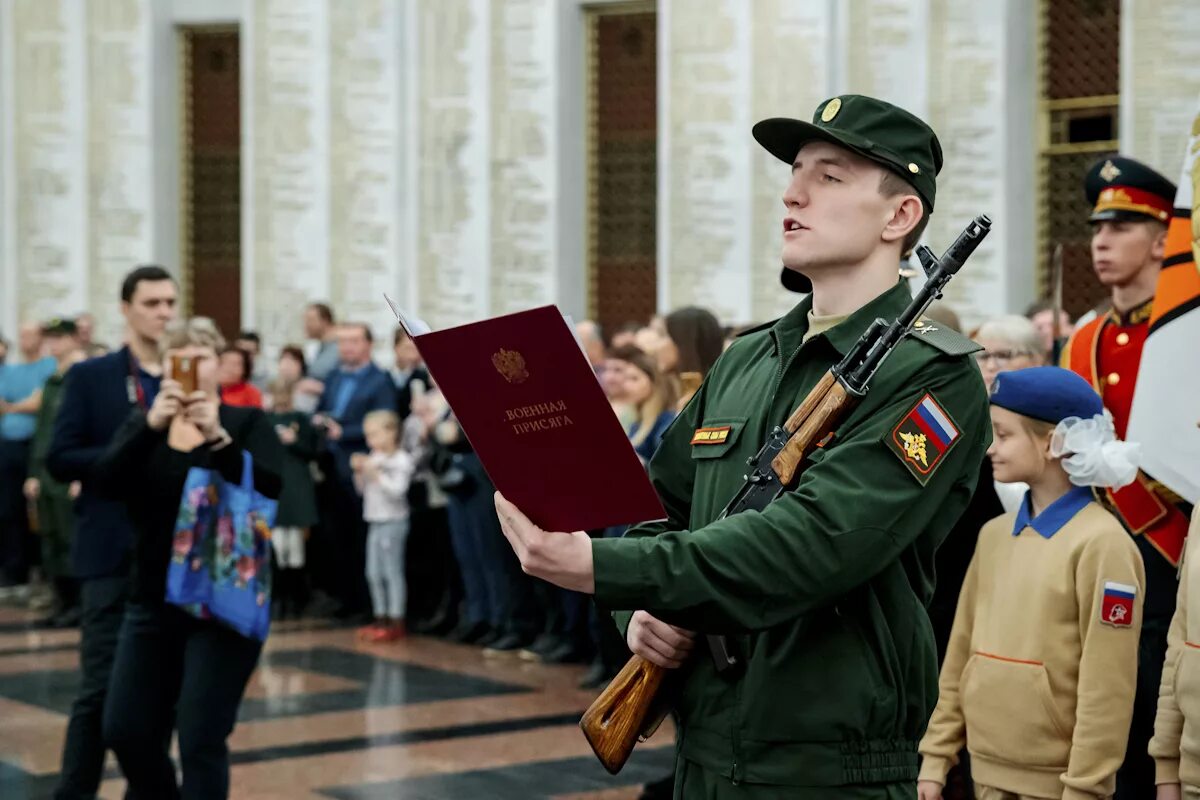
929 790
564 559
1169 791
32 489
74 489
657 642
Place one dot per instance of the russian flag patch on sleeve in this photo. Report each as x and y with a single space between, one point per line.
1116 608
923 437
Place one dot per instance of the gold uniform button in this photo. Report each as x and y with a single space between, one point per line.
1113 379
913 168
1122 338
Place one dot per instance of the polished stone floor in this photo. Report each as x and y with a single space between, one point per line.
327 717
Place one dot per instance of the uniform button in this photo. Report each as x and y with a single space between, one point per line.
1122 338
1113 379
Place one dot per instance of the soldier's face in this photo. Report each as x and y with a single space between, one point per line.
835 211
1016 453
1122 249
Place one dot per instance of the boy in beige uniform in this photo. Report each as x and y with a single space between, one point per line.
1176 743
1039 676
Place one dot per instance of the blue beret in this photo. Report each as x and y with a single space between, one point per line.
1050 394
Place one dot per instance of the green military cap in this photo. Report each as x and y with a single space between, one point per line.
59 327
882 132
886 134
1121 188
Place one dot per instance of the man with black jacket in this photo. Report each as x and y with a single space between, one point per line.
97 398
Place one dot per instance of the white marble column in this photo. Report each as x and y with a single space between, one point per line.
366 151
524 155
121 202
46 198
452 124
285 154
704 229
981 103
1160 80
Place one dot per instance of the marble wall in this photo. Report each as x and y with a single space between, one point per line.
427 148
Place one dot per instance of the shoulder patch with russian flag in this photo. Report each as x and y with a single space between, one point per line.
1116 608
923 437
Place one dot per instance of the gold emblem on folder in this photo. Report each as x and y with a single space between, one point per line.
511 365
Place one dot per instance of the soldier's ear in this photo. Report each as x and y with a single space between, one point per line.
1158 249
906 215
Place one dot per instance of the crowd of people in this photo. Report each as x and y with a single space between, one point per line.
1051 657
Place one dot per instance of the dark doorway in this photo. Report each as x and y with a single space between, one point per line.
623 164
212 180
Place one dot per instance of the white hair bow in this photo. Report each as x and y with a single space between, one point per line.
1093 454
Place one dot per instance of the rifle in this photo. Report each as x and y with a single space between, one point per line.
629 710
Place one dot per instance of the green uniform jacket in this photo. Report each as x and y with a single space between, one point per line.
825 591
52 394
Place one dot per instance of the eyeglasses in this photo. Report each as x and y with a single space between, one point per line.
1001 357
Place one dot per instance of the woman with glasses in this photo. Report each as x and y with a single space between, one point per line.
1009 342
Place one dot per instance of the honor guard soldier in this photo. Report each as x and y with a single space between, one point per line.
823 593
1131 209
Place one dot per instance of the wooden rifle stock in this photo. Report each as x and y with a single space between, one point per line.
621 716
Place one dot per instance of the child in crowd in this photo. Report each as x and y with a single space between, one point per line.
1176 742
297 501
1039 676
383 477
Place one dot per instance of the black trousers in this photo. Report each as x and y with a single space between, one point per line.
350 550
103 601
1135 778
16 544
175 672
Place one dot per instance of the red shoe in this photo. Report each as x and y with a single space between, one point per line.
391 633
367 633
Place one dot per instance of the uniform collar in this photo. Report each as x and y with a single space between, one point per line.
1137 315
1055 516
788 332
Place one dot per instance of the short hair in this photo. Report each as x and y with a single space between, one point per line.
364 327
247 360
323 311
891 185
383 418
399 336
1016 330
298 354
250 336
148 272
198 331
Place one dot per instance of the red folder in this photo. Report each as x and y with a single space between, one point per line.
531 406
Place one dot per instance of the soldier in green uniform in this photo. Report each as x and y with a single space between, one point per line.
54 500
824 592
